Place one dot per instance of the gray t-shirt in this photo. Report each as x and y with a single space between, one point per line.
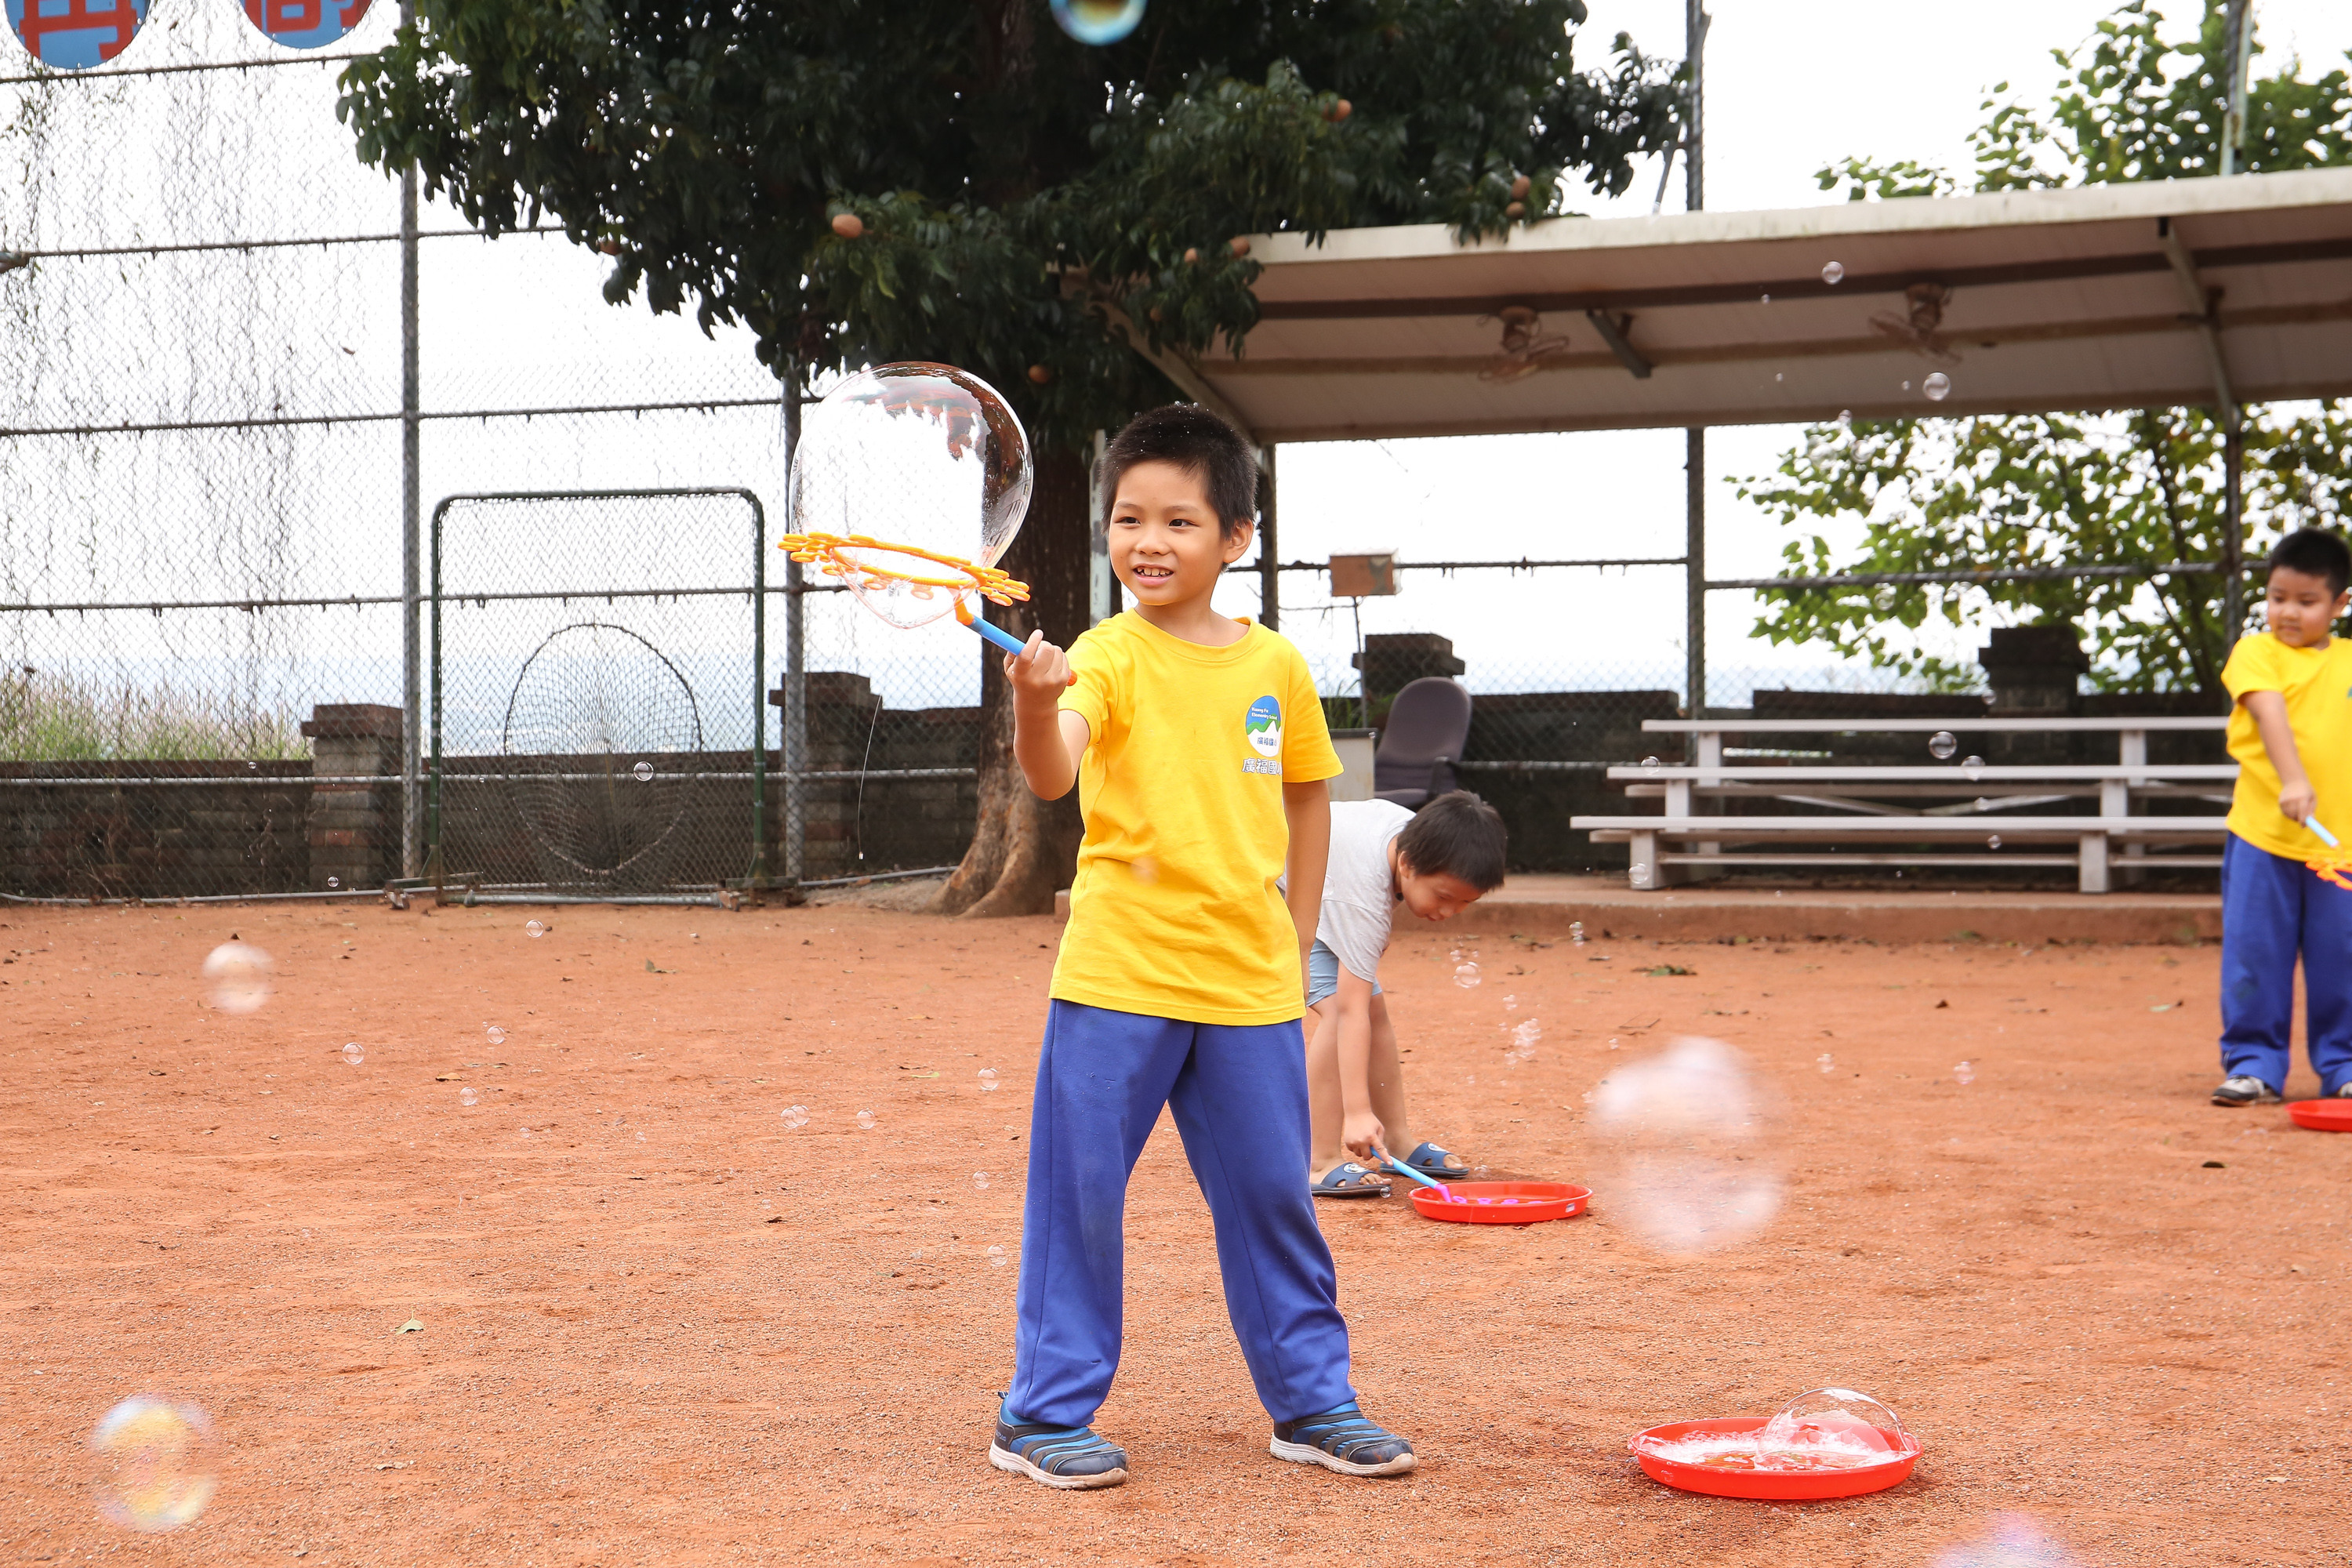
1358 889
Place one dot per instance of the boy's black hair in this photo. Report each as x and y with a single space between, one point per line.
1459 836
2314 553
1197 442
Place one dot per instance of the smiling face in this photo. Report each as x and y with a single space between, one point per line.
1432 895
1166 544
2301 609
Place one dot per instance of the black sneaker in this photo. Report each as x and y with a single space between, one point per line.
1067 1458
2243 1089
1343 1440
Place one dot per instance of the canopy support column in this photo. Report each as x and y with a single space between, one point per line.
2204 311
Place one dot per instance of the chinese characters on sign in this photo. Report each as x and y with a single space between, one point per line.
75 35
305 24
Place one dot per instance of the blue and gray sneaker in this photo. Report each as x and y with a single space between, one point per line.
1067 1458
1344 1440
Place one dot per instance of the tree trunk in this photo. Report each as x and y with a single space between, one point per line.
1026 848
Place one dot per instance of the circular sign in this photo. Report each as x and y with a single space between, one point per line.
303 23
75 35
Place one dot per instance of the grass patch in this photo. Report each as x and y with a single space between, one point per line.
68 718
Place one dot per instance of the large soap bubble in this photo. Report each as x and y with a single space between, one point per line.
157 1463
236 973
924 458
1099 21
1683 1141
1831 1429
2014 1542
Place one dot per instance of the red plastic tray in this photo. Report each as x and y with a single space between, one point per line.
2323 1115
1783 1486
1536 1201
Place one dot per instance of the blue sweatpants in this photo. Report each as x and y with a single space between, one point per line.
1239 1094
2271 906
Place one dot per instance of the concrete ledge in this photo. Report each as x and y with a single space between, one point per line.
1545 905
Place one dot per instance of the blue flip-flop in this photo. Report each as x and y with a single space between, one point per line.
1350 1180
1431 1161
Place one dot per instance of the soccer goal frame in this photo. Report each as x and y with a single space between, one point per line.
706 792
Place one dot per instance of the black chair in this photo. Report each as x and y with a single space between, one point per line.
1427 726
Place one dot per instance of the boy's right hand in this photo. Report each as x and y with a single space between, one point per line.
1040 671
2298 801
1361 1131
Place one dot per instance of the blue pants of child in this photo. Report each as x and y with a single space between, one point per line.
2271 907
1239 1095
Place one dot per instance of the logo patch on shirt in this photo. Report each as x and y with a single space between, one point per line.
1263 726
1262 765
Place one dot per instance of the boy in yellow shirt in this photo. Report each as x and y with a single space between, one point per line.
2290 731
1198 747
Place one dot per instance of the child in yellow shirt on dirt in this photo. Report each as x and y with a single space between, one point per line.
2290 731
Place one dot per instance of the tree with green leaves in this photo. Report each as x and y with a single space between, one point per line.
2049 490
958 180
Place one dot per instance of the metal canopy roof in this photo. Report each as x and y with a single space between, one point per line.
2092 298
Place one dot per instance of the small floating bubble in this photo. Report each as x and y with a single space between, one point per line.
354 1053
157 1463
1972 768
1993 842
795 1115
1942 745
496 1035
1834 272
1938 388
987 1079
467 1097
533 928
1964 1074
979 1180
1826 1062
996 1258
642 772
865 1121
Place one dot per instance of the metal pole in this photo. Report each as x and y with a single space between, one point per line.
2233 527
2238 21
795 658
434 867
2238 45
411 521
1269 569
759 697
1695 25
1102 585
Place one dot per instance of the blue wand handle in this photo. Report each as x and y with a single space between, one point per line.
996 635
2325 836
1401 1169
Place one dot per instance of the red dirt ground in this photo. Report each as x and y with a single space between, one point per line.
663 1328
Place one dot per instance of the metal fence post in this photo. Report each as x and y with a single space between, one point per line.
1102 587
410 504
759 695
1695 25
795 660
1269 564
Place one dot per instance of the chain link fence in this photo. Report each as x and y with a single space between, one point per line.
211 454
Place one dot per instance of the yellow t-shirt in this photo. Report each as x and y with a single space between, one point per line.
1174 912
2317 685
